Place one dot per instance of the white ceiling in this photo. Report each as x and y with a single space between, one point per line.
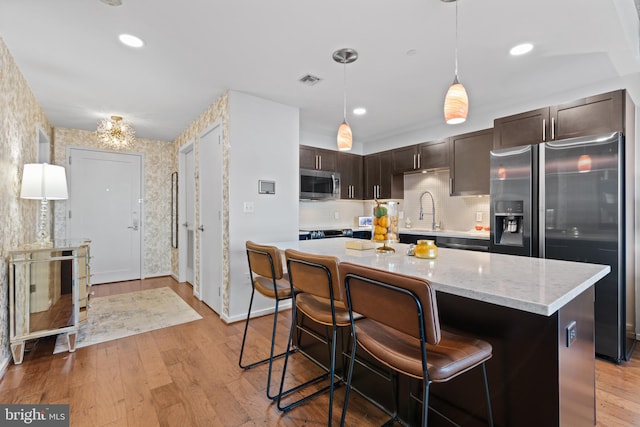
196 49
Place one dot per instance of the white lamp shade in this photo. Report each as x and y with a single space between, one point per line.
44 181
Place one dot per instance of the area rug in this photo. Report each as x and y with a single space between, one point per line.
123 315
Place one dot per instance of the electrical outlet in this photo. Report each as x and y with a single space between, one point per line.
248 207
336 215
479 216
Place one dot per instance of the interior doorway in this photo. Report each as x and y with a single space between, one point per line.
210 227
105 206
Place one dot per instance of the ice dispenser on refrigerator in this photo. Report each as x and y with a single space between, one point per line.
508 222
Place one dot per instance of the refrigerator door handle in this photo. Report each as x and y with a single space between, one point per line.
541 201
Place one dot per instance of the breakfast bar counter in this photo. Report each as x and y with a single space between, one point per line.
536 313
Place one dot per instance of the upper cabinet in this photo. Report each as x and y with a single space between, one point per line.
469 165
428 155
318 159
379 179
350 167
587 116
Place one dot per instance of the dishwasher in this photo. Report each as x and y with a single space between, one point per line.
468 244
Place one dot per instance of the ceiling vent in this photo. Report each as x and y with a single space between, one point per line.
310 80
112 2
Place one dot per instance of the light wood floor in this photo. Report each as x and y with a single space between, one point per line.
188 375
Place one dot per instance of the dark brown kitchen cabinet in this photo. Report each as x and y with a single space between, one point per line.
405 159
428 155
469 163
434 154
318 158
521 129
350 167
587 116
379 179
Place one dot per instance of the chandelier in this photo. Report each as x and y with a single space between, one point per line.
115 133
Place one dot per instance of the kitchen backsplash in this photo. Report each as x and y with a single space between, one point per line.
452 213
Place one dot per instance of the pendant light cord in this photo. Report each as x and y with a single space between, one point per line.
456 58
344 63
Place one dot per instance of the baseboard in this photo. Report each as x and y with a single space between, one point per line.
259 313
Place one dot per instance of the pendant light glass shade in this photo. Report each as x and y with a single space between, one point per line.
345 137
456 103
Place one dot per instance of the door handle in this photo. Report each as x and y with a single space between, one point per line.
201 228
133 227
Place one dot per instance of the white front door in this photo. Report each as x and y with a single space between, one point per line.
105 205
210 227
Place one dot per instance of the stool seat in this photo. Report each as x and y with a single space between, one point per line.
265 285
319 309
453 355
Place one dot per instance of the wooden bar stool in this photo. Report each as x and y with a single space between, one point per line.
267 277
401 330
316 293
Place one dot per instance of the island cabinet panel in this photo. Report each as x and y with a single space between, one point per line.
350 167
583 117
318 159
379 179
469 163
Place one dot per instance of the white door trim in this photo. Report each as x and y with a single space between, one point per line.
182 211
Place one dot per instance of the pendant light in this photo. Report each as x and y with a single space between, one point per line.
345 137
456 103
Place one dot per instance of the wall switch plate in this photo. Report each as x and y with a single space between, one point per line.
248 207
336 215
572 333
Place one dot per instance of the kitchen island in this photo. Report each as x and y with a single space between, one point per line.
536 313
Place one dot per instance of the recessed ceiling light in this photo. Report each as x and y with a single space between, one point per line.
358 111
521 49
131 41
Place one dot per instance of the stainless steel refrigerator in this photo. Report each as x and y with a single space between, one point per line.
566 200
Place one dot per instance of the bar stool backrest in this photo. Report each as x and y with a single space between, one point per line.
263 258
307 276
377 295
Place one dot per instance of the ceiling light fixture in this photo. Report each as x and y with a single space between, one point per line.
115 133
359 111
456 102
521 49
130 40
345 137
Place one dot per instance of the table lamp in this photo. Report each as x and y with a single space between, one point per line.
44 182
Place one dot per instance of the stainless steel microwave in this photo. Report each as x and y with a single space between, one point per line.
319 185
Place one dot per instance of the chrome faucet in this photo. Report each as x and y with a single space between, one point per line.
433 210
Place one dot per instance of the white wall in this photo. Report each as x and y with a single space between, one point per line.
263 144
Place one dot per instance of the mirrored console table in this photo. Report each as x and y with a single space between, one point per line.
48 292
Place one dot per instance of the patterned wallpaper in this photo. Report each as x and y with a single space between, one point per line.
217 112
20 115
157 193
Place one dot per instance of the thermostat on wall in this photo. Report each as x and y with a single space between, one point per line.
266 187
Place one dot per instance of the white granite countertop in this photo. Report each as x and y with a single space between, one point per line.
535 285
